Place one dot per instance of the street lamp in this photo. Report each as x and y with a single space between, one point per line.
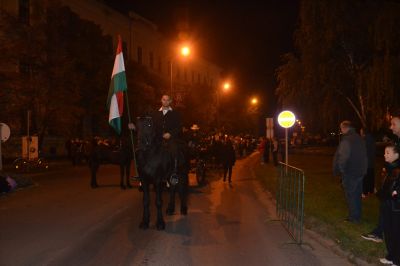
254 101
226 86
184 52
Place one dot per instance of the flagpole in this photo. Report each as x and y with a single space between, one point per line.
131 135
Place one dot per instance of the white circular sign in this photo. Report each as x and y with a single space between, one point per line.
286 119
4 132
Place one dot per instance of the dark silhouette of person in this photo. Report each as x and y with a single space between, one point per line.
350 162
369 178
228 159
168 127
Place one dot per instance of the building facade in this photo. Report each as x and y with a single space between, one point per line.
142 43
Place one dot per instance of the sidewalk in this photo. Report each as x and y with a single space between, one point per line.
319 190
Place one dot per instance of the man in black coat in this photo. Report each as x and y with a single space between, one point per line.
350 162
228 159
369 178
167 122
376 234
395 127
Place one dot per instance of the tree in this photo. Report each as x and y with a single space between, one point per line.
76 71
64 69
342 63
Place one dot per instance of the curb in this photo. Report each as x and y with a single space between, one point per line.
335 248
315 236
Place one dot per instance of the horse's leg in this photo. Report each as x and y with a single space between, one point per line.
183 191
171 204
146 205
160 220
93 168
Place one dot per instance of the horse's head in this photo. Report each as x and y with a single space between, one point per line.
146 132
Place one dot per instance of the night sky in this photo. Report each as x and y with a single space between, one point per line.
245 38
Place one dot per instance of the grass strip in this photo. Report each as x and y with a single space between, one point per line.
325 206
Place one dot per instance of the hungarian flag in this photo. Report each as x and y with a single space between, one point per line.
115 101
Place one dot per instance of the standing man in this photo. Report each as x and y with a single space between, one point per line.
228 159
350 162
369 178
395 127
275 146
168 124
376 235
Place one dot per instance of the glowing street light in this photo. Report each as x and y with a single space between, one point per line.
226 86
254 101
184 52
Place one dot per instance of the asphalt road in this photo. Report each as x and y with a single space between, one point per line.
62 221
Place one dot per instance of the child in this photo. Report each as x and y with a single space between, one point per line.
391 205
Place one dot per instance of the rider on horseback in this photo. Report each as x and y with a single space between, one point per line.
161 157
168 126
167 121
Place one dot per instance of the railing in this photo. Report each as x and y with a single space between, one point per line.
290 200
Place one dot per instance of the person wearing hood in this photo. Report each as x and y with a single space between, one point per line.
395 127
389 195
350 162
376 235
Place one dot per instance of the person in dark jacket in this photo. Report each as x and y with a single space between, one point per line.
167 122
369 178
267 150
395 127
168 127
275 147
228 159
376 235
350 162
390 197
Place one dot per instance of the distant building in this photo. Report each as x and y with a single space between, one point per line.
142 43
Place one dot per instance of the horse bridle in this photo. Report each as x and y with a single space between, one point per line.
145 122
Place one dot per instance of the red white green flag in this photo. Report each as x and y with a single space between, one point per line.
115 101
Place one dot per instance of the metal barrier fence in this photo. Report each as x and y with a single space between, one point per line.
290 200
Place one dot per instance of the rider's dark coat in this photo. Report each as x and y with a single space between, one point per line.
169 123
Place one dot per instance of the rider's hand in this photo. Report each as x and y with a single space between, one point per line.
167 136
131 126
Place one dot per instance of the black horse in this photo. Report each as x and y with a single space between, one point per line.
110 154
158 164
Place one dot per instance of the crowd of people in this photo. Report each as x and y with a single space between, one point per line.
75 150
354 162
272 146
219 149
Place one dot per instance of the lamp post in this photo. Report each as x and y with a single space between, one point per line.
253 111
184 52
226 86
